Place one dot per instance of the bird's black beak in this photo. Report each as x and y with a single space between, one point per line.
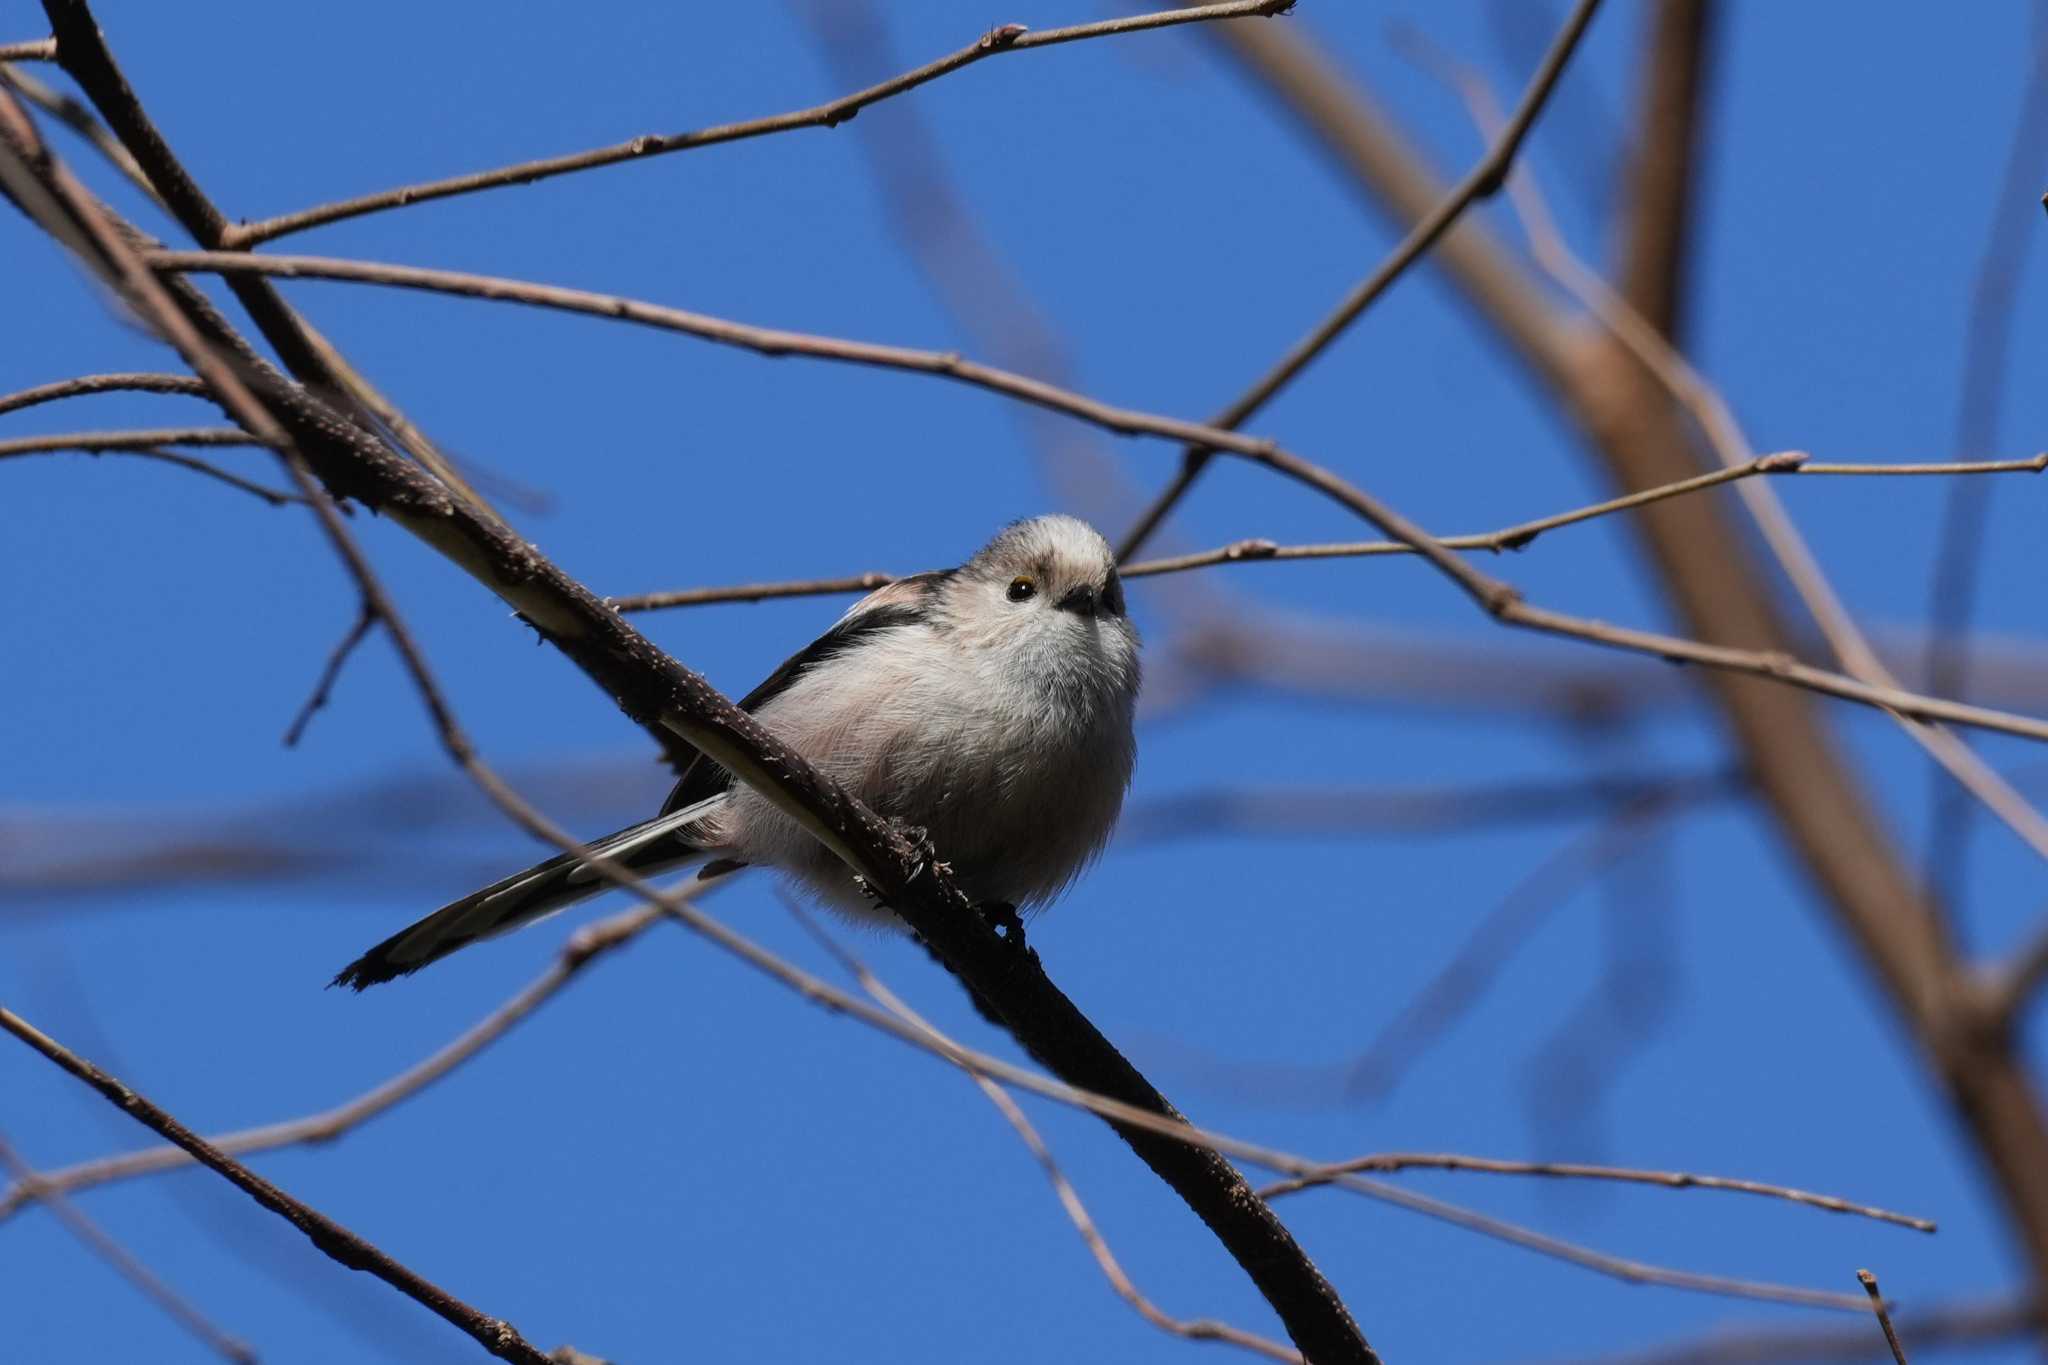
1081 600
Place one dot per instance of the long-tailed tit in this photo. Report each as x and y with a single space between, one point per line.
989 704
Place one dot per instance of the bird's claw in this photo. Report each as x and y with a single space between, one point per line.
923 855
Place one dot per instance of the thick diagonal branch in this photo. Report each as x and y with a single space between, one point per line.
685 713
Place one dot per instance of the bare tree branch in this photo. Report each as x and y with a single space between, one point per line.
83 54
152 1286
495 1335
335 368
101 383
1884 1318
92 442
74 115
1717 422
33 50
677 704
1482 182
146 443
1260 551
1573 1170
1818 806
666 697
1497 598
820 993
1200 1329
1994 296
275 497
962 264
1514 1234
1000 39
1615 1267
366 618
585 946
750 592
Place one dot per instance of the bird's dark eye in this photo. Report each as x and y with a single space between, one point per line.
1021 588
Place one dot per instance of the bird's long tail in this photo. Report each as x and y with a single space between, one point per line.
657 845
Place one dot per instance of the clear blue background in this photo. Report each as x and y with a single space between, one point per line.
677 1160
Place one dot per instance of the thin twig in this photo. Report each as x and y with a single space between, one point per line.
1000 39
617 930
73 114
53 198
34 50
1716 420
826 996
967 274
1497 598
1673 1180
1261 551
274 496
147 438
750 592
324 688
1199 1329
585 946
1616 1267
1170 1124
2031 465
495 1335
1884 1318
334 368
1819 807
1987 339
1522 534
1189 1329
101 383
67 200
152 1286
1482 182
144 153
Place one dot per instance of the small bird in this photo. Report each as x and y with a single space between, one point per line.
989 705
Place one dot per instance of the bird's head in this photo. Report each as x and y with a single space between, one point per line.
1049 587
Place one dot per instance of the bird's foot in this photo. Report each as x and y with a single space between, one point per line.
922 855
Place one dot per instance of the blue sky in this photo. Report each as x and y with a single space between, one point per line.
677 1158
